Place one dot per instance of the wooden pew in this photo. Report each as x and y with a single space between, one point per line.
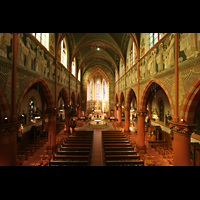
117 145
71 157
68 163
115 141
79 141
79 138
73 152
75 148
122 157
118 148
125 163
75 145
120 152
114 136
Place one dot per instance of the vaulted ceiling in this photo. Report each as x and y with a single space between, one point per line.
104 49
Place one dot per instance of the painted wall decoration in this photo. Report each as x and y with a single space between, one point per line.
52 43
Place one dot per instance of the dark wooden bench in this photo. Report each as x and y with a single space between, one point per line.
75 148
68 163
111 132
122 157
115 141
71 157
78 141
113 136
125 163
81 139
120 152
75 145
117 145
118 148
73 152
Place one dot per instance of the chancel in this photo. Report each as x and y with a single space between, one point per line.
99 99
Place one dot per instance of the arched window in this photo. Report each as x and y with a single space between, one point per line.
161 109
91 84
104 90
132 55
154 38
63 53
98 90
43 38
73 67
31 106
79 74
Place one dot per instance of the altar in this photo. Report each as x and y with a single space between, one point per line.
97 116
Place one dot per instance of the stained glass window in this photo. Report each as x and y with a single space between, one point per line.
104 90
98 90
31 110
161 111
132 56
43 38
91 84
79 74
63 53
73 67
154 38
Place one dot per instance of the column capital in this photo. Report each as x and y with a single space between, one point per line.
10 128
141 113
127 108
182 128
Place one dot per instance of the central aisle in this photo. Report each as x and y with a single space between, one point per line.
97 154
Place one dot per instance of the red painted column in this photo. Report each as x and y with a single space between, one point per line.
8 143
127 118
140 143
119 113
181 143
67 120
176 118
14 77
115 112
52 129
43 113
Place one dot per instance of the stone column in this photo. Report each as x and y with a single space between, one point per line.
52 114
67 120
119 113
8 143
127 118
181 145
115 112
140 143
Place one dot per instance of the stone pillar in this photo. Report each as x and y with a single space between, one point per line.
14 78
127 118
115 112
140 143
67 120
79 111
8 143
119 113
181 143
52 114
